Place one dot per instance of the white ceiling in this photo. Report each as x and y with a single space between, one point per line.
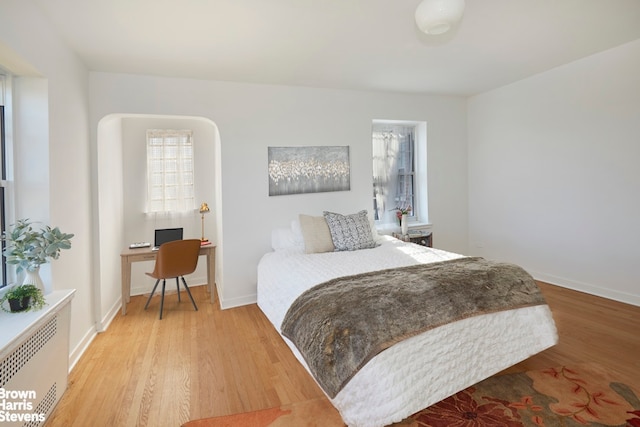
346 44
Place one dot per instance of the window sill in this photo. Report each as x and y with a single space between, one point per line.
391 228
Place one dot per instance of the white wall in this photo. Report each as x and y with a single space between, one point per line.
31 161
251 118
27 38
108 220
554 181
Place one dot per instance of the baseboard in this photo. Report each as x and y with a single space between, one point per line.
79 350
108 318
587 288
237 302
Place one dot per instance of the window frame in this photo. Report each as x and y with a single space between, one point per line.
418 155
170 171
3 179
5 80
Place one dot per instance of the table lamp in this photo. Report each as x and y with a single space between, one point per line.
204 208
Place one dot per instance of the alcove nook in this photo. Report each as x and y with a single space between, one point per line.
120 196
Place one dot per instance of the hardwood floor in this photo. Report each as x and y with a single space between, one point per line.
591 329
148 372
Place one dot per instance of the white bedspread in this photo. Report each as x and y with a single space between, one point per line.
419 371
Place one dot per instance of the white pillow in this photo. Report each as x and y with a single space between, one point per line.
284 238
374 231
297 232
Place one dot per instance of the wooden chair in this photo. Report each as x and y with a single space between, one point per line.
175 259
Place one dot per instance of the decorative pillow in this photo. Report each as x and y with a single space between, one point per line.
374 232
283 238
350 232
297 232
316 234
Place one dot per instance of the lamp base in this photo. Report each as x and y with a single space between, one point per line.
204 241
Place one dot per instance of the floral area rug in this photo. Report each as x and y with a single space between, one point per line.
584 395
581 395
309 413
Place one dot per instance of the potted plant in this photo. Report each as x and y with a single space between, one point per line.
28 248
23 298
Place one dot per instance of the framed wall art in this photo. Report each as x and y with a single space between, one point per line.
296 170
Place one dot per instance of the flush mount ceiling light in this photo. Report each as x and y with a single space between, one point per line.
438 16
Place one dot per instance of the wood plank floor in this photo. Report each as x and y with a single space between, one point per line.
148 372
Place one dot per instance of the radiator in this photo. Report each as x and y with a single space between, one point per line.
34 362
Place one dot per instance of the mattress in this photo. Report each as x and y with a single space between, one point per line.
421 370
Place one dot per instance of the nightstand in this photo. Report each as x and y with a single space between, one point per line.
420 237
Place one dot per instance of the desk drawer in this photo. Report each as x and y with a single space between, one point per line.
142 257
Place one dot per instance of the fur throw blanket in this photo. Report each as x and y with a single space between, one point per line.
339 325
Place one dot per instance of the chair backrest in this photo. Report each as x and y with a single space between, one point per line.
177 258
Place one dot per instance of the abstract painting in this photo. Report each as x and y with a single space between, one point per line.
296 170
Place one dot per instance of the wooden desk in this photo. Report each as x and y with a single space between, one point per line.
129 256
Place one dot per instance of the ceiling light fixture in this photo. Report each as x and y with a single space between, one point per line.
438 16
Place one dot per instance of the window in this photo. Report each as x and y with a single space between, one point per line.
3 178
399 170
170 176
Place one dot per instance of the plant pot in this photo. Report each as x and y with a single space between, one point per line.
19 304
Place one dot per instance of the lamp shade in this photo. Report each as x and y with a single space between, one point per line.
437 16
204 208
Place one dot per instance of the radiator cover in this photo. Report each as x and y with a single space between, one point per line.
34 361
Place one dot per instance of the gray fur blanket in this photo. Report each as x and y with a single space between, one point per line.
339 325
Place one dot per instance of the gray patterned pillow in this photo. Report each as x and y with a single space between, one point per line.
350 232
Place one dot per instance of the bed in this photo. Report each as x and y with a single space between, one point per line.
415 372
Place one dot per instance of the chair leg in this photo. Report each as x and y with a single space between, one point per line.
184 282
162 300
178 287
151 294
